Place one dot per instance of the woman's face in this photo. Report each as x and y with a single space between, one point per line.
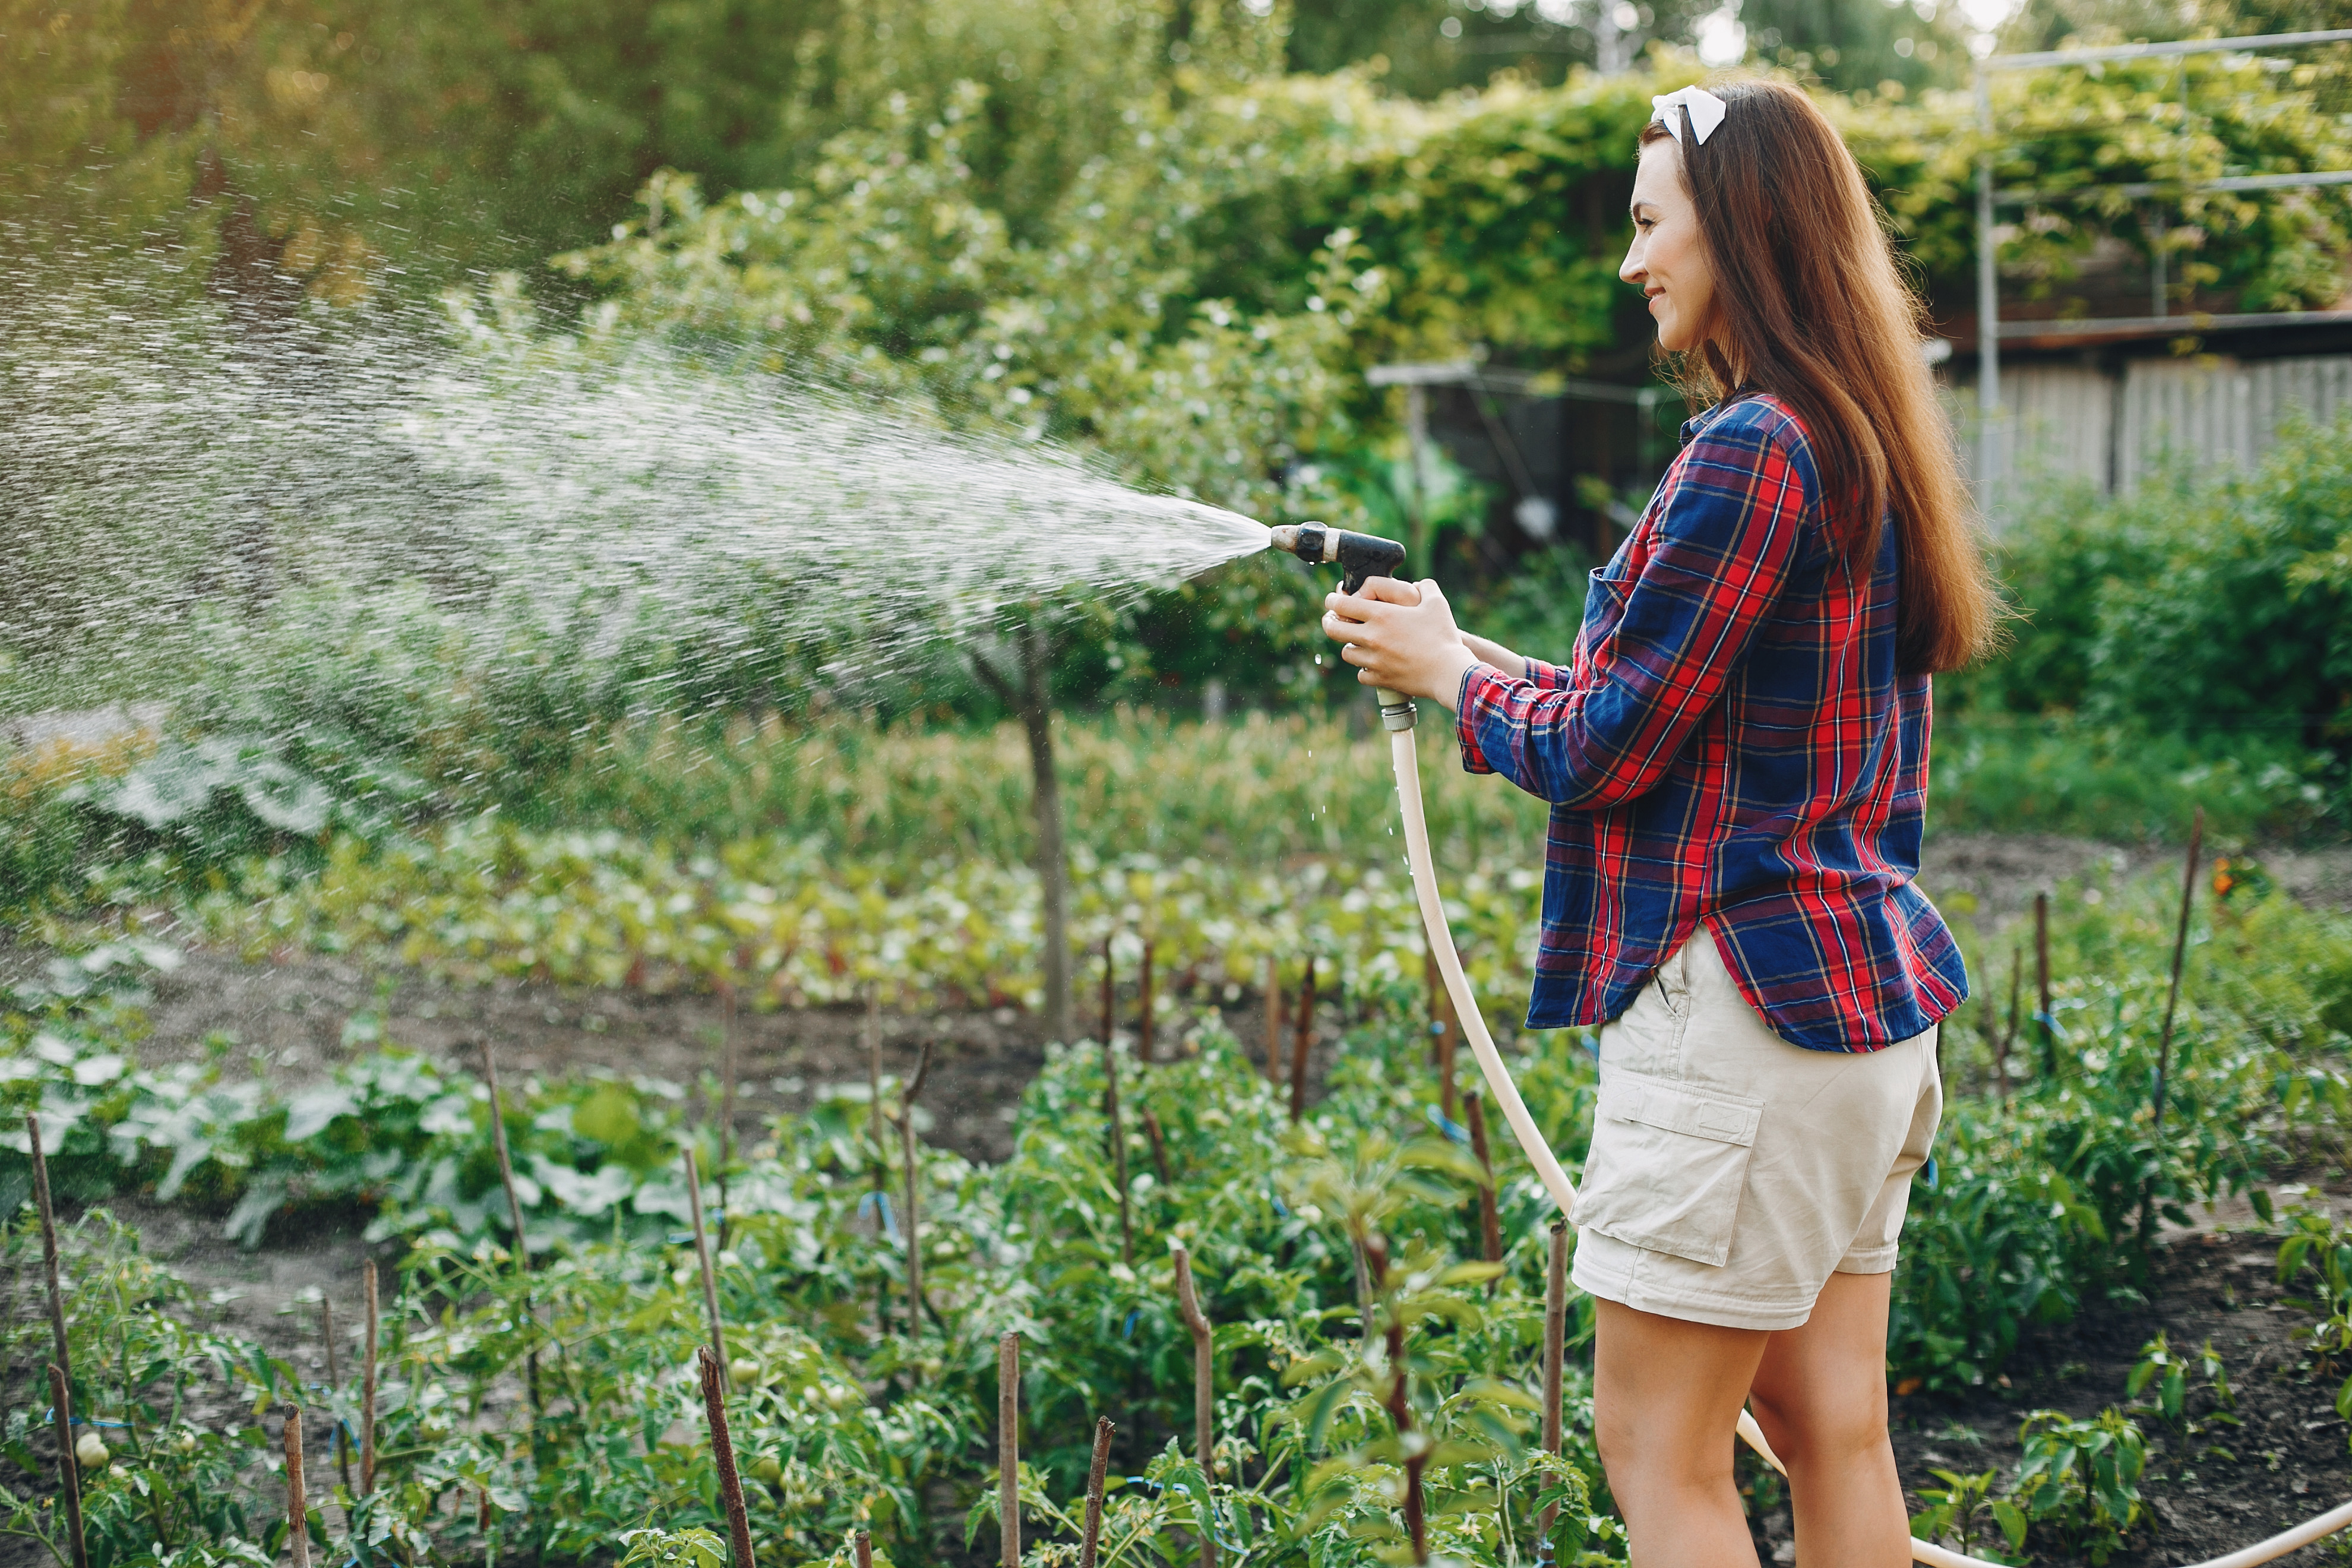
1668 259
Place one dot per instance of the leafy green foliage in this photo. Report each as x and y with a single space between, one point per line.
2168 1372
186 1459
2214 612
1964 1513
2318 1256
2080 1478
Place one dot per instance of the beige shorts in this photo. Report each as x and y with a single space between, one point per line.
1732 1172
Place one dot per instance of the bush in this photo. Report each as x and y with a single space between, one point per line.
2216 611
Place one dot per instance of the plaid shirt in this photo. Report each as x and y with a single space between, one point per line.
1733 744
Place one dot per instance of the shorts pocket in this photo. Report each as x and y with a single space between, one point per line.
1668 1162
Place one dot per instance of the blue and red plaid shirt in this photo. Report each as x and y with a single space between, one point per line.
1734 743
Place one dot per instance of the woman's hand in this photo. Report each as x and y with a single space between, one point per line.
1400 636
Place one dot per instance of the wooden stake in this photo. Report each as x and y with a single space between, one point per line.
58 1353
1301 1042
1490 1228
726 1099
514 1209
2171 1003
862 1549
2041 984
1429 990
1159 1148
723 1455
506 1163
873 1031
1118 1139
1205 1389
1008 1450
1090 1540
702 1256
335 1443
1273 1020
69 1462
1400 1404
914 1223
367 1379
1111 995
298 1509
1144 1019
2016 981
1446 1030
1555 1353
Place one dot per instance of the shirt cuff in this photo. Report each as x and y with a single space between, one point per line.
1480 685
1546 676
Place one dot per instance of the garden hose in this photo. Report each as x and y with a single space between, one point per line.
1397 717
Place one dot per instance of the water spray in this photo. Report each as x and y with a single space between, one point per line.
1363 556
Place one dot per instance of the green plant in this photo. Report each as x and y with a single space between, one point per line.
1957 1512
2317 1252
2168 1372
2081 1478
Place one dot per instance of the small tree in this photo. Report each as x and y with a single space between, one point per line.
1026 686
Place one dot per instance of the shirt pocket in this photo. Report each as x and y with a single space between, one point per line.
1668 1163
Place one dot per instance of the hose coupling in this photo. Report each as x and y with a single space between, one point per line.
1397 711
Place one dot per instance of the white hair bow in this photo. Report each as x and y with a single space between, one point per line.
1706 111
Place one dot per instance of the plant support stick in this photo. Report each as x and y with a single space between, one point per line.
1118 1141
2042 1018
297 1510
1301 1041
702 1258
1090 1540
723 1455
68 1464
58 1353
873 1031
908 1148
1143 1019
335 1382
726 1099
1158 1141
1555 1353
1008 1450
1490 1231
1205 1393
1273 1020
2171 1003
514 1211
367 1378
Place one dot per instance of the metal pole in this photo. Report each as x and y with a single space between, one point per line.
1416 432
1988 453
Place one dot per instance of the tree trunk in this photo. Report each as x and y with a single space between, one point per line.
1033 700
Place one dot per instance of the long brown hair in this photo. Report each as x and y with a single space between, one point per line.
1815 313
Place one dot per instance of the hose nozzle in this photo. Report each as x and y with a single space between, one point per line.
1360 556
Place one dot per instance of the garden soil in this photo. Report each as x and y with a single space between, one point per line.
294 1017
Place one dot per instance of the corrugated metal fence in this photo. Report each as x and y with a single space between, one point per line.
2113 429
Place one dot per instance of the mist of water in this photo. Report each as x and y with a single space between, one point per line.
180 492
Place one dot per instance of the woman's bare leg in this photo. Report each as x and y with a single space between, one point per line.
1821 1396
1666 1398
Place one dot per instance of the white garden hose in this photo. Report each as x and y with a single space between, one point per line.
1398 715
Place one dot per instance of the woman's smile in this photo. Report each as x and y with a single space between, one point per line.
1668 260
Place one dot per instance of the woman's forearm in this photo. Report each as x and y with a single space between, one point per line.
1495 654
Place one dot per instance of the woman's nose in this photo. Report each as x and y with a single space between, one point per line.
1632 271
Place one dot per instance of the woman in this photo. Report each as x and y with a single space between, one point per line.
1736 761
